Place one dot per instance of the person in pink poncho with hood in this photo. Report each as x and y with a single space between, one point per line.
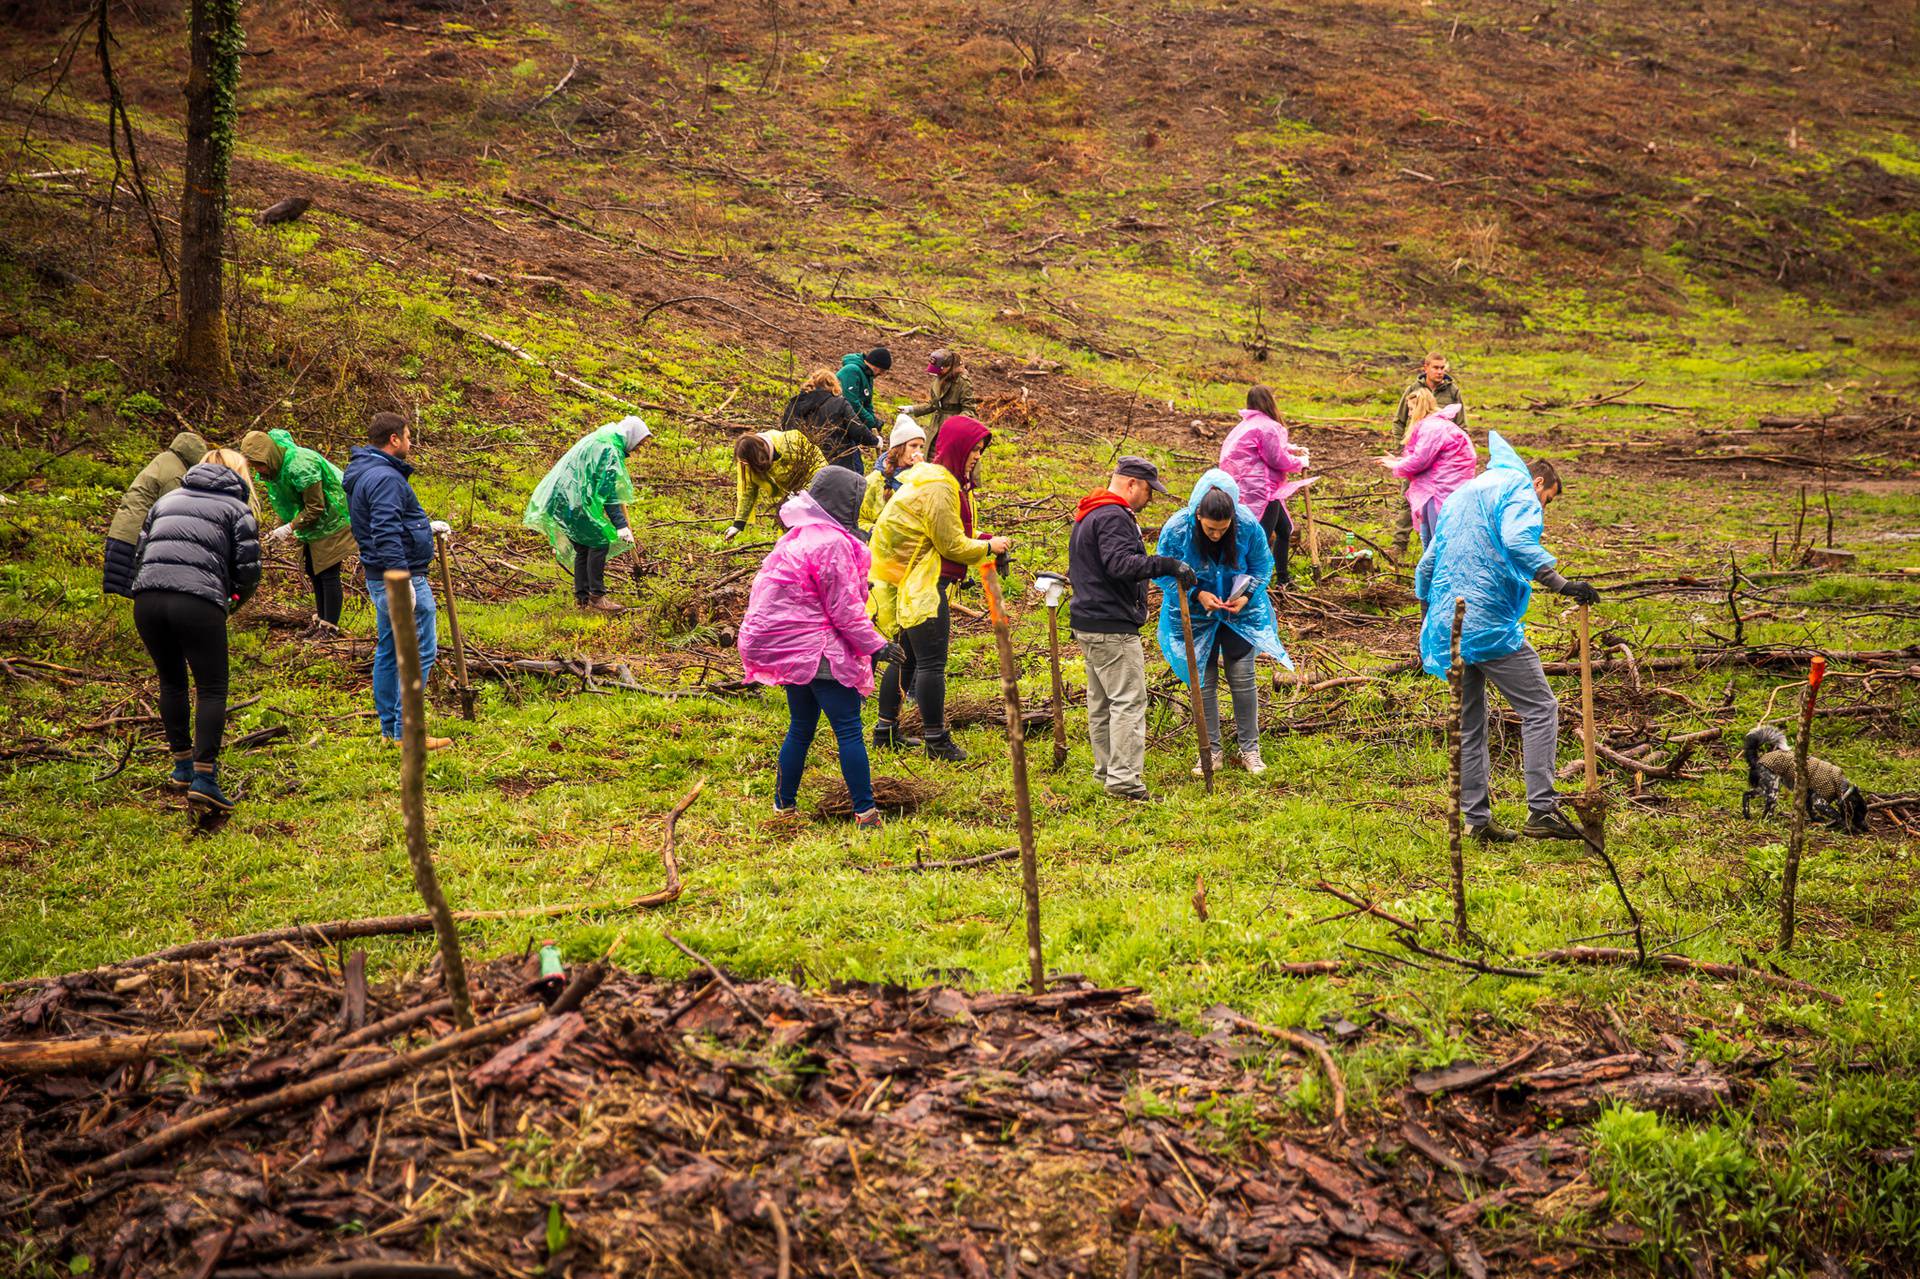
1259 458
806 629
1438 458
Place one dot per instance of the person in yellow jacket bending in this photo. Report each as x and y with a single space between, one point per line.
922 543
770 467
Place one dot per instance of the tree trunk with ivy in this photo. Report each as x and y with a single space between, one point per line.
213 81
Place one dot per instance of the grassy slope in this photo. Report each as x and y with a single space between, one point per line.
555 797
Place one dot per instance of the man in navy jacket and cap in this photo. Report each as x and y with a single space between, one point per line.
1109 567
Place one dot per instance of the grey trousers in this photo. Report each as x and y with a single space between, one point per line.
1241 679
1523 683
1116 709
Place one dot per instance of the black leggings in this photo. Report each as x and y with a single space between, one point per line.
1280 536
926 665
182 633
326 590
589 572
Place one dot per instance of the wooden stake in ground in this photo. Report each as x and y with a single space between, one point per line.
1790 873
1054 588
1456 681
465 688
413 788
1313 531
1017 748
1193 691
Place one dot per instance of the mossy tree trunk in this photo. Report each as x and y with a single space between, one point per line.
213 80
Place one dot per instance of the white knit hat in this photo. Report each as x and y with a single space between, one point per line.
905 430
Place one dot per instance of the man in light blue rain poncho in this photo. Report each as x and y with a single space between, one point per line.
1232 614
1486 549
581 508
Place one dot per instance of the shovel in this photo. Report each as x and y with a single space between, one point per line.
1592 805
1054 588
453 626
1193 689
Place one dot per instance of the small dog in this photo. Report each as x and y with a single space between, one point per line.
1830 797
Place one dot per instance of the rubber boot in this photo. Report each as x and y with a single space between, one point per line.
205 792
942 746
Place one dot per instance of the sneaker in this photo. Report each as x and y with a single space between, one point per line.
941 746
181 778
1251 761
1491 833
869 820
1551 825
1219 764
205 793
888 737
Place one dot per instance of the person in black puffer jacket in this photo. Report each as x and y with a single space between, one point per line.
197 560
830 421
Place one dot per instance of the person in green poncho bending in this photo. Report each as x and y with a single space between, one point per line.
581 506
304 488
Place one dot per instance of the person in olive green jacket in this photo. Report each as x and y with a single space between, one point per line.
157 478
770 467
306 494
952 394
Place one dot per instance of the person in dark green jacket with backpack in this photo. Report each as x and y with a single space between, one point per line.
857 373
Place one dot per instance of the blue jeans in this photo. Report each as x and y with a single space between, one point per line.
386 667
841 705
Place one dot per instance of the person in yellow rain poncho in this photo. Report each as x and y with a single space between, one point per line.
922 543
581 507
769 468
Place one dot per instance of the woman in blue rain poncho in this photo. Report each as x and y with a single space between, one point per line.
581 508
1232 614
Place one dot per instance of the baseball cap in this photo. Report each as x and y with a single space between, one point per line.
1138 468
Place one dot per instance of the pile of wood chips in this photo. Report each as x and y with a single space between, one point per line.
709 1127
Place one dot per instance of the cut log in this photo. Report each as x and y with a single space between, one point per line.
285 211
97 1052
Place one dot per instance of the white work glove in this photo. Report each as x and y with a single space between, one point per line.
1304 457
280 533
441 528
625 535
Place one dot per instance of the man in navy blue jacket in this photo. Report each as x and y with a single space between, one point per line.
393 531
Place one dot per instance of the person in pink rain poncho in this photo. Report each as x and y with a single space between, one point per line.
806 629
1438 459
1259 457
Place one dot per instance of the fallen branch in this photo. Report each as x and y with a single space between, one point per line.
959 863
1365 907
96 1052
210 1121
1306 1044
1681 963
733 992
1492 970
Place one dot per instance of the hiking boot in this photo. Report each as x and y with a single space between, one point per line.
869 820
1219 763
433 743
182 776
1551 825
1140 796
888 737
1491 833
601 604
204 793
941 746
1251 761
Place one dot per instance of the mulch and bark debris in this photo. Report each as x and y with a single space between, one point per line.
710 1127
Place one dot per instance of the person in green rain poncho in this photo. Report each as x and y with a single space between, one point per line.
304 488
581 507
